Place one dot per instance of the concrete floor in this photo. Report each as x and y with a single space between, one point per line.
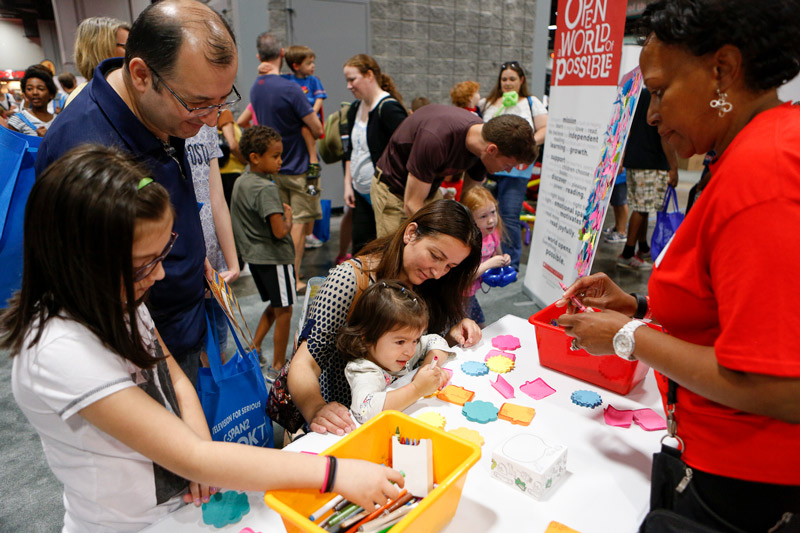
31 495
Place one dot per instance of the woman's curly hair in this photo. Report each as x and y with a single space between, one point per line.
767 33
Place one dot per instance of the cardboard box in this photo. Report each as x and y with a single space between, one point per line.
530 464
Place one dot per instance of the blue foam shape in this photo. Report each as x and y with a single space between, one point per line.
474 368
480 411
586 398
225 508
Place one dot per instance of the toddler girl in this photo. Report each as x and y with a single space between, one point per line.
484 210
383 341
93 377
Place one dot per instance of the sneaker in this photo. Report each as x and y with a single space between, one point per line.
615 236
644 255
634 263
608 230
313 242
342 258
270 374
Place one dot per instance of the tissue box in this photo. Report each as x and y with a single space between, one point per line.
530 464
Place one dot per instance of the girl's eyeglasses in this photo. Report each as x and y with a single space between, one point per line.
142 272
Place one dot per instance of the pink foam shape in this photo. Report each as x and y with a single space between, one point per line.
620 418
537 389
492 353
649 420
503 387
506 342
450 376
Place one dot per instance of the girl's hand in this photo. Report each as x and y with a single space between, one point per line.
428 380
199 494
600 292
365 483
594 332
466 333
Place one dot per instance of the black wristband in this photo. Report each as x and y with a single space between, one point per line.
641 305
331 474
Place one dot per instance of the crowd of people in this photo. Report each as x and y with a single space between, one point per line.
146 182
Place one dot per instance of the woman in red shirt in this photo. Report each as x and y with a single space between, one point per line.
719 288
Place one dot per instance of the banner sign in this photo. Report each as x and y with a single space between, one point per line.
588 52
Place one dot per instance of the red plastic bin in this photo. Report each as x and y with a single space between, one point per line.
607 371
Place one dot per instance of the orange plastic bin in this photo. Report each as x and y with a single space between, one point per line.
452 459
607 371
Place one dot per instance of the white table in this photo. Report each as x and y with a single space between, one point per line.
607 486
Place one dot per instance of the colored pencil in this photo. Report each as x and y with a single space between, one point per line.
316 515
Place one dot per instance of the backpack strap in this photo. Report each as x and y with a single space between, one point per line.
25 119
362 283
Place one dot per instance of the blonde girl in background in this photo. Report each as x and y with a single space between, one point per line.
484 208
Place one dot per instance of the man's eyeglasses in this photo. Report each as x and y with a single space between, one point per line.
142 272
204 110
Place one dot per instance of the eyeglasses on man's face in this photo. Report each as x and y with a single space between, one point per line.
142 272
203 110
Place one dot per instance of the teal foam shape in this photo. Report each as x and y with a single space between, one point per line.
474 368
225 508
480 411
586 398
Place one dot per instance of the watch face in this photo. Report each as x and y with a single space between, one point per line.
623 345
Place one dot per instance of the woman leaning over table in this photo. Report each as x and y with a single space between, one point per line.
720 291
437 252
510 96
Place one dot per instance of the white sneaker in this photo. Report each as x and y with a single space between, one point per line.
633 263
313 242
614 236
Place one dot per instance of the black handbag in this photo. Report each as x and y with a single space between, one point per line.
675 505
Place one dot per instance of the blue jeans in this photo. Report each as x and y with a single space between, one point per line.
510 194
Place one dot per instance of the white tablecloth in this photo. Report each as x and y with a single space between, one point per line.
607 485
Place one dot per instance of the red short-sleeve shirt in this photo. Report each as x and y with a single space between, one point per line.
728 280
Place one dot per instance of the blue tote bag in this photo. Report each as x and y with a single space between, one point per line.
17 156
234 395
667 222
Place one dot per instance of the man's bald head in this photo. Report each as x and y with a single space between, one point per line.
163 27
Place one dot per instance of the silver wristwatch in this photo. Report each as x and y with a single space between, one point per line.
624 343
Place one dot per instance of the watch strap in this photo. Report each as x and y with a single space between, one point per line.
641 305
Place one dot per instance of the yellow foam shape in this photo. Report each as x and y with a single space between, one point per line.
557 527
500 364
468 434
433 418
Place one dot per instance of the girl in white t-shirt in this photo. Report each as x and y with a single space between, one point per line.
120 424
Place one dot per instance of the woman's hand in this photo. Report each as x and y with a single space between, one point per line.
600 292
349 196
199 494
332 417
593 332
365 483
466 333
428 380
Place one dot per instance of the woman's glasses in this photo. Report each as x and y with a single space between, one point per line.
142 272
512 65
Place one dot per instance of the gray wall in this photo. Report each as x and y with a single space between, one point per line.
429 45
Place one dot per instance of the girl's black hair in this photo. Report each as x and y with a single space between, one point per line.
79 232
385 306
767 32
41 73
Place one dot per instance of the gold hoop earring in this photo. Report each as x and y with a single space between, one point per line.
721 103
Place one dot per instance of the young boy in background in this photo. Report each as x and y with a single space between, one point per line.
261 229
301 61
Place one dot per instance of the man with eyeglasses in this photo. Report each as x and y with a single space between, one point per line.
178 71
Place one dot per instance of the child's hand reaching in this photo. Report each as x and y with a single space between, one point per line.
428 380
365 483
498 261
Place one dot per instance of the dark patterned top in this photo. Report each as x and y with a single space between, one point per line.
326 317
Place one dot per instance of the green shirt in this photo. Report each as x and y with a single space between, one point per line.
255 198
